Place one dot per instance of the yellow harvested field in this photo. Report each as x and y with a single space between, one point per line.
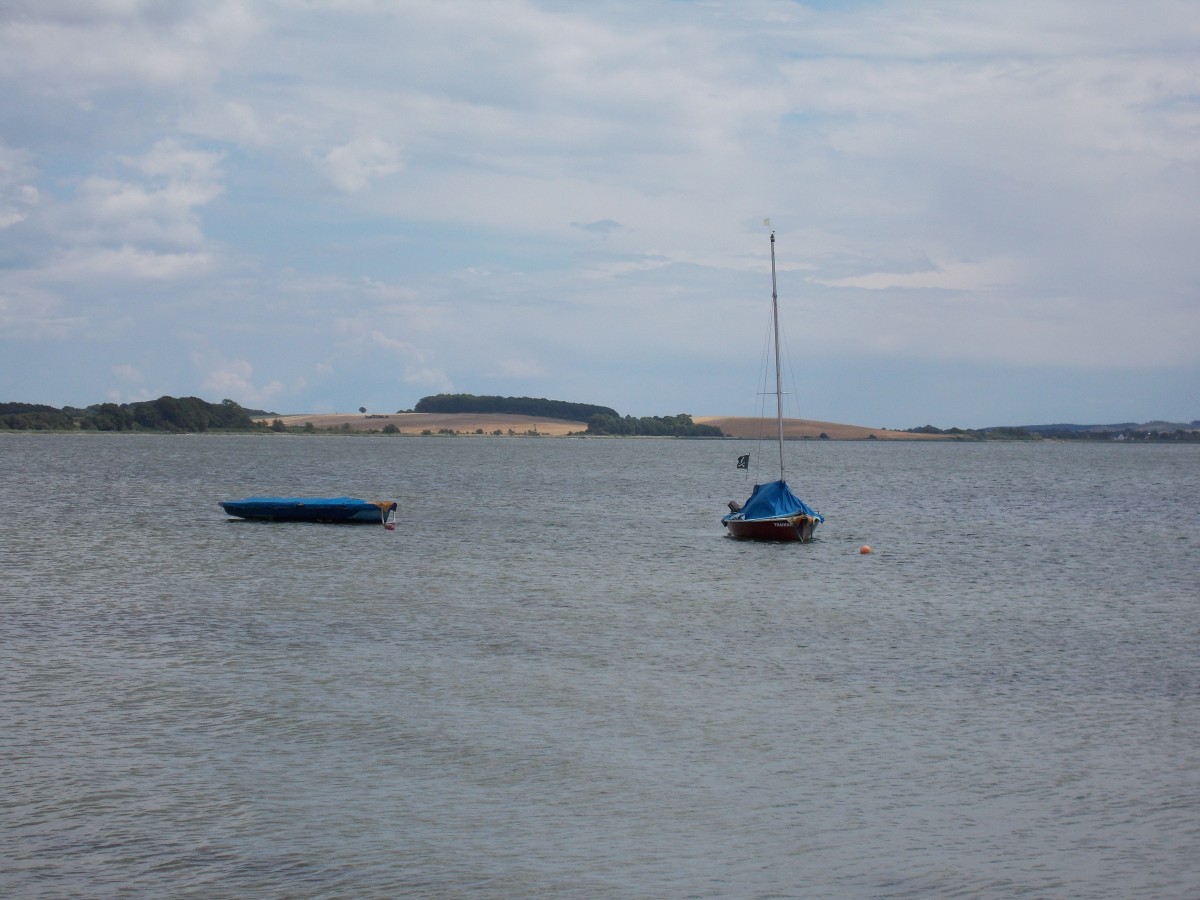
470 423
416 423
750 427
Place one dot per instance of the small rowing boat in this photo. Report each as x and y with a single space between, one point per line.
311 509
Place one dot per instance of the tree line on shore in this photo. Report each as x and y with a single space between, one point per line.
191 414
650 426
601 420
539 407
175 414
1158 432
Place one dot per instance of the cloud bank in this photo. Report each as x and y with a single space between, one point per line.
323 205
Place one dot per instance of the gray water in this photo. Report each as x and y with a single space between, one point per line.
557 677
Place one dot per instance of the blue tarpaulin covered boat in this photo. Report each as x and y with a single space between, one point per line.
774 513
311 509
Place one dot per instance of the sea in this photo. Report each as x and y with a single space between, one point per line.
558 677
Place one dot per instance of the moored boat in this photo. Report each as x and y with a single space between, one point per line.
311 509
773 512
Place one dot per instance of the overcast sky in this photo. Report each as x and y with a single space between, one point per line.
986 212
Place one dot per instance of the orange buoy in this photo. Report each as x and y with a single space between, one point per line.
864 549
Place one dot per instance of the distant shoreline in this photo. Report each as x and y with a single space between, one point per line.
741 427
801 429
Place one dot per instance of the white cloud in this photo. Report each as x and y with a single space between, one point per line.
957 276
160 210
520 368
17 194
35 314
354 165
126 263
146 225
180 164
234 380
430 378
78 51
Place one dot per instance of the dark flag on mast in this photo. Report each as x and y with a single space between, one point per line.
744 461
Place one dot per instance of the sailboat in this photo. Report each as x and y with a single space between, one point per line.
773 512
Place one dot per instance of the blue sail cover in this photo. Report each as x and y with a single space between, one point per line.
773 499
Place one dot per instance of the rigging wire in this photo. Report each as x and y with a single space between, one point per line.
760 411
766 388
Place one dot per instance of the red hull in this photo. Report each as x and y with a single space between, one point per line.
785 528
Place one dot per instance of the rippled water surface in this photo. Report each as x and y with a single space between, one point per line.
558 677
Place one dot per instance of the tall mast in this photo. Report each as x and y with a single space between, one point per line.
778 376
